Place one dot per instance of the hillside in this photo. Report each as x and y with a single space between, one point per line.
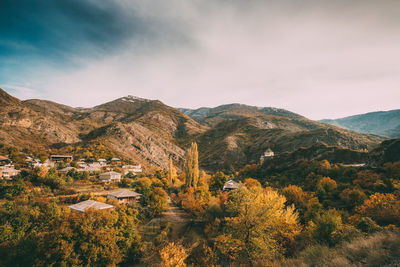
385 123
213 116
149 132
139 130
233 143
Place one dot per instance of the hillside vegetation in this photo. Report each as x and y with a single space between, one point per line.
385 123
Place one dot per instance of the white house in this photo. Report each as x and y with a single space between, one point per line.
8 173
267 154
110 177
132 168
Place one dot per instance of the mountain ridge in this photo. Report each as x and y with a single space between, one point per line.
149 132
385 123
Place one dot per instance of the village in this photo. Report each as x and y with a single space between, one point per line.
106 172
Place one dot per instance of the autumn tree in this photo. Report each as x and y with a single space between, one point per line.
158 201
259 223
250 182
294 195
192 166
173 255
217 181
171 173
383 208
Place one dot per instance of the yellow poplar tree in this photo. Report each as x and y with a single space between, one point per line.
192 166
172 172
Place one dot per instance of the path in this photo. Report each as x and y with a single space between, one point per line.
178 218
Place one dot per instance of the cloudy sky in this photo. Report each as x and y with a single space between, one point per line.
319 58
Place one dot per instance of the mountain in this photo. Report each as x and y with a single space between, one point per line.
385 123
149 132
213 116
235 142
143 131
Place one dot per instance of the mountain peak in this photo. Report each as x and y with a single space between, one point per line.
6 98
132 99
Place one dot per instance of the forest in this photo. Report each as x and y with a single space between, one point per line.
312 213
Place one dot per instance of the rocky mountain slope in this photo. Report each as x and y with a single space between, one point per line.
385 123
149 132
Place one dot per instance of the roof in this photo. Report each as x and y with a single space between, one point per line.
115 159
231 185
9 170
124 193
3 158
61 156
109 174
90 204
67 169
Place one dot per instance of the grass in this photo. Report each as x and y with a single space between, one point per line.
380 249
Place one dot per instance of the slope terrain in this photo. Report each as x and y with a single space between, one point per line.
385 123
149 132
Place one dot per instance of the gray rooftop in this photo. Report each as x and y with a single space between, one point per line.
124 193
90 204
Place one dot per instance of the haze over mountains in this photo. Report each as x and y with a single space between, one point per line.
149 132
385 123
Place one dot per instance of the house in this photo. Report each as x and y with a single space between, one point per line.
8 173
115 160
110 177
89 169
102 162
90 204
82 164
230 185
267 154
3 159
132 168
58 158
125 196
66 170
36 163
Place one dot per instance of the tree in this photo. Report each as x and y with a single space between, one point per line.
259 219
171 173
217 181
192 166
383 208
250 182
327 184
294 195
158 201
173 255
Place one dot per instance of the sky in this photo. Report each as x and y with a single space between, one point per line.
318 58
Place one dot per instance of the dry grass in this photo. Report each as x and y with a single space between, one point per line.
380 249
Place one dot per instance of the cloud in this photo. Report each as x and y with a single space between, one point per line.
318 58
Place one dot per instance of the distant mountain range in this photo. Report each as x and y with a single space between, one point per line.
385 123
149 132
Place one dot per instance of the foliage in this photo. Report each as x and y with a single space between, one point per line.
259 219
383 208
158 201
173 255
217 181
192 166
